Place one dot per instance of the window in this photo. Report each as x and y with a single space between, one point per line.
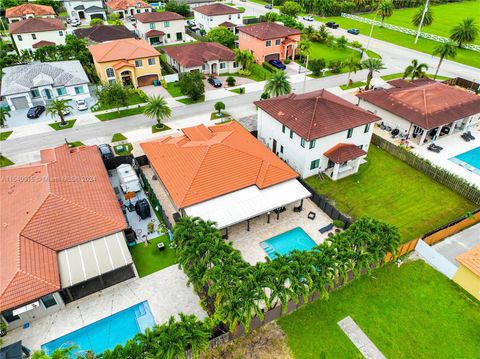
79 90
138 63
281 149
223 65
139 11
291 134
34 36
284 128
278 42
61 91
35 93
302 143
235 64
168 36
9 317
350 133
151 61
238 16
19 37
268 43
314 164
367 128
48 301
60 33
110 72
152 25
229 17
360 146
166 23
312 144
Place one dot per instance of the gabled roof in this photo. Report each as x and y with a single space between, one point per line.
316 114
268 30
227 24
42 43
64 200
93 9
147 17
192 55
103 33
124 49
216 9
36 24
471 260
343 152
27 9
151 33
125 4
206 163
426 104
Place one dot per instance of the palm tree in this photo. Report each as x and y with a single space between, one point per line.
278 84
444 50
415 70
157 108
417 18
372 65
58 108
304 48
385 9
197 333
4 113
465 32
244 58
353 65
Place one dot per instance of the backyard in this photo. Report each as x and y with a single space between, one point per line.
148 259
408 312
390 190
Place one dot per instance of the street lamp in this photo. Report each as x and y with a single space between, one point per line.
371 32
421 21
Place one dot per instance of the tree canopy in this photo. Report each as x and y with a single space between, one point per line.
192 85
222 35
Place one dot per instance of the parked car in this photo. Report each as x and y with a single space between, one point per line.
82 105
131 18
332 25
75 22
191 23
353 31
268 6
106 151
278 64
308 18
214 81
35 111
68 20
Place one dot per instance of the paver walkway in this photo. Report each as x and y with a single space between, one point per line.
360 339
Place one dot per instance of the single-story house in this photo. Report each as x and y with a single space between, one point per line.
126 8
37 83
85 9
316 132
34 33
62 233
104 33
160 27
28 11
213 15
206 57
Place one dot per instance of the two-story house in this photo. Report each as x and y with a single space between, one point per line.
28 11
127 8
30 34
316 132
160 27
209 16
85 9
128 61
269 41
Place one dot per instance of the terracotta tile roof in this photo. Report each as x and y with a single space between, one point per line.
316 114
216 9
343 152
36 24
42 43
206 163
192 55
102 33
428 105
154 33
62 201
124 49
125 4
147 17
227 24
268 30
471 259
29 8
121 64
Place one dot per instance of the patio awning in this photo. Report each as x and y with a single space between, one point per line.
247 203
89 260
344 152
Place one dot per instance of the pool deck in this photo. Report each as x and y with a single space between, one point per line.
166 292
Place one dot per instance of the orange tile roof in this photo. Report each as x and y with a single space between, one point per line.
471 259
27 9
124 49
343 152
64 200
125 4
206 163
121 64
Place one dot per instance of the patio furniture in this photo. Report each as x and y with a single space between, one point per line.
469 134
161 246
327 228
466 137
433 148
311 215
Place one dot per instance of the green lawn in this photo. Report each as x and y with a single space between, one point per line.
408 312
189 101
155 129
390 190
353 85
123 150
75 144
239 91
215 115
4 161
373 54
5 135
56 125
133 99
329 53
118 137
399 75
148 259
174 89
120 114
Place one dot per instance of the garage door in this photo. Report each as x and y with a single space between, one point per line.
272 57
20 102
146 80
97 16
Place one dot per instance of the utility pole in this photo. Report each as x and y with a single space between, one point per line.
305 77
425 9
371 32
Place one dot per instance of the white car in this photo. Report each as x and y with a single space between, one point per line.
75 23
191 23
82 105
308 18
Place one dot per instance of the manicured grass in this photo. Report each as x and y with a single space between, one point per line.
189 101
120 114
133 99
118 137
4 161
216 115
399 75
373 54
257 73
240 90
56 125
123 150
5 135
353 85
329 53
174 89
407 312
75 144
390 190
148 259
164 128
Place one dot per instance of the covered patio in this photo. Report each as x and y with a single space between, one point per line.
344 160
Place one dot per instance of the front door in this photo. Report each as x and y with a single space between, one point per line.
81 15
48 94
274 146
179 36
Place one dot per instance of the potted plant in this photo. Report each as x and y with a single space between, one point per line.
150 227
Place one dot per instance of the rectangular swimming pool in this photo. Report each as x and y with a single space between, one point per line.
288 241
469 160
107 332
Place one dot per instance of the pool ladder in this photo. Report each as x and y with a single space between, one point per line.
140 311
267 248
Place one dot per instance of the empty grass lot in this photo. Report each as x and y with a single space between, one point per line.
148 259
329 53
390 190
408 312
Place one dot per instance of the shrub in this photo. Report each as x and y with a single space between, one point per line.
287 61
356 44
94 22
269 67
245 72
317 66
338 223
231 81
335 66
264 96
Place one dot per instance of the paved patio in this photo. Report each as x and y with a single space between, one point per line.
459 243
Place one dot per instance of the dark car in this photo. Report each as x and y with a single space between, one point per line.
35 111
268 6
105 151
332 25
278 64
353 31
214 82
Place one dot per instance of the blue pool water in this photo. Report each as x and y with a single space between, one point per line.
286 242
469 160
108 332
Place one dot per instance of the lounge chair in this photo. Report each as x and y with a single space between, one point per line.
469 134
311 215
433 148
326 228
466 137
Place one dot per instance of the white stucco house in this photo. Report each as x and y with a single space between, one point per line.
28 11
209 16
126 8
33 33
160 27
316 132
85 9
37 83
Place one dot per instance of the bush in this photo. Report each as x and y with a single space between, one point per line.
356 44
95 22
317 66
269 67
222 35
231 81
287 61
264 96
245 72
192 85
335 66
338 223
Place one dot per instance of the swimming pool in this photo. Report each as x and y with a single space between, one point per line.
469 160
106 333
288 241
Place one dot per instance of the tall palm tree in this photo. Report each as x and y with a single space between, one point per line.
278 84
197 333
372 65
353 65
385 9
465 32
158 109
444 50
4 113
244 58
304 48
415 70
58 108
417 18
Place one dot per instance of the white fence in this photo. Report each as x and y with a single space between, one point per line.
405 30
436 260
170 78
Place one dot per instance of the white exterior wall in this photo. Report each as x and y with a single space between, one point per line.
70 8
132 11
27 40
170 31
206 68
28 16
298 157
209 22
